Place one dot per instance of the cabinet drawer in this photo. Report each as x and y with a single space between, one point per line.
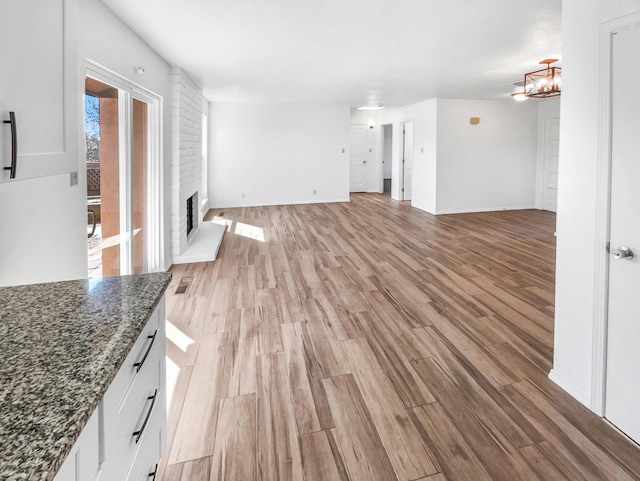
137 361
135 418
148 458
135 399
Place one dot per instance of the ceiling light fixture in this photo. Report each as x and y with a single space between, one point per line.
544 83
371 107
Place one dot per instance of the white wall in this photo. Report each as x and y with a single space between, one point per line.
547 109
109 42
459 167
488 166
43 235
278 154
576 218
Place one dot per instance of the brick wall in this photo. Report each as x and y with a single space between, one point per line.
186 166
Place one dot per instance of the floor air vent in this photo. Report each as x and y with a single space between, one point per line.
185 282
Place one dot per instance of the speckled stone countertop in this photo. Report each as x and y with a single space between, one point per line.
61 345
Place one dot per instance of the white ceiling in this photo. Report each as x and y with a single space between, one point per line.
349 52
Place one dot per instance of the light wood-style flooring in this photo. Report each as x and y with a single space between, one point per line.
372 341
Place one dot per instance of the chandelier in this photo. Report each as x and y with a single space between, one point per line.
543 83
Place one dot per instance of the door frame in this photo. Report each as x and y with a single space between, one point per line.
155 210
603 217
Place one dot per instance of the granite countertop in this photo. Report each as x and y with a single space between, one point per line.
61 345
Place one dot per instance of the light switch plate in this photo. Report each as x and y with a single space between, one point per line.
73 178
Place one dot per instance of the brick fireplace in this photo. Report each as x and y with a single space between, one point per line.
186 172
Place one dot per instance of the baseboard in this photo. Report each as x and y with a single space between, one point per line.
570 388
483 209
293 202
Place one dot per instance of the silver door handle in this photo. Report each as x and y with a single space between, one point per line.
622 252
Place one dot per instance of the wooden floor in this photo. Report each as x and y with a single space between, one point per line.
373 341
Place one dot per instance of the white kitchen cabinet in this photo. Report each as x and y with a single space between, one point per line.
83 462
132 435
136 402
39 83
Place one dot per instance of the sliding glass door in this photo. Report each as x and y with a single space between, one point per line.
123 169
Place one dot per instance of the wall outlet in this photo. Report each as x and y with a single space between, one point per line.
343 151
73 178
315 192
242 195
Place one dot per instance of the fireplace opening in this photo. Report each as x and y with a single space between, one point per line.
190 219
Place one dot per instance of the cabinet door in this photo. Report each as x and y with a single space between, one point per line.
83 462
38 54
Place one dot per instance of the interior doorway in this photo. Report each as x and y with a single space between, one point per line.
387 156
123 178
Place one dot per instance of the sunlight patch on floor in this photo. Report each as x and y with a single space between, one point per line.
250 231
179 338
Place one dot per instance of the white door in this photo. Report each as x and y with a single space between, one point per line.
407 160
551 149
358 152
623 341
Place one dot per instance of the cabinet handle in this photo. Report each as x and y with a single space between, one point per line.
138 365
155 471
14 145
138 433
